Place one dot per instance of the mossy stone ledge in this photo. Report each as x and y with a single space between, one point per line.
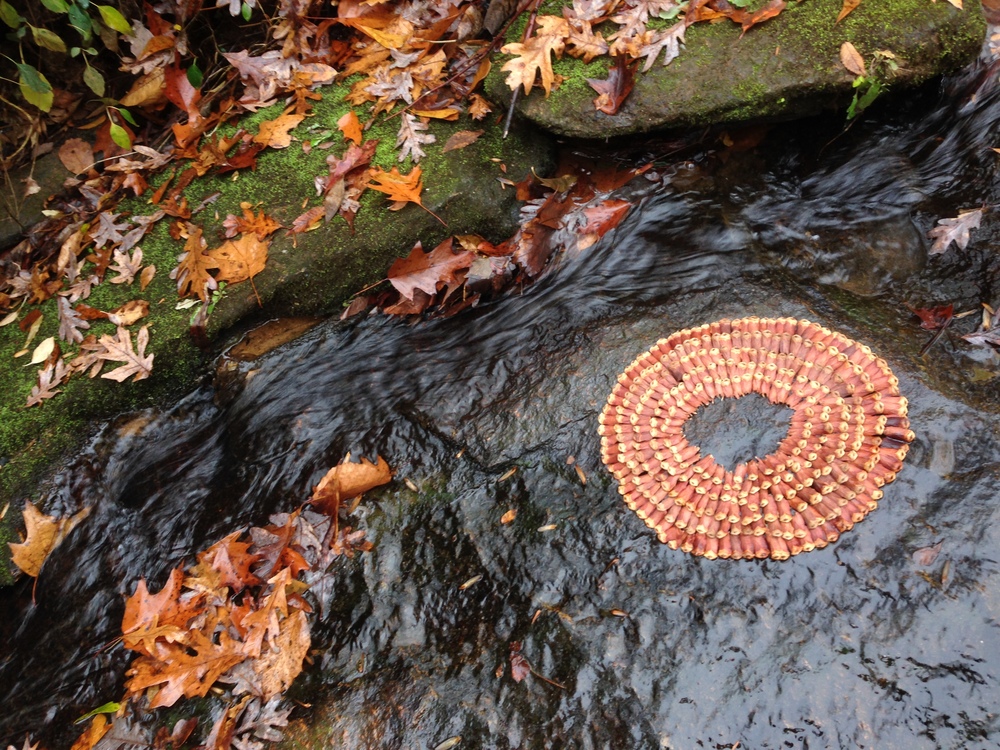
312 274
782 69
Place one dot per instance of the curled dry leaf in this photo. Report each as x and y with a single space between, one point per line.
347 480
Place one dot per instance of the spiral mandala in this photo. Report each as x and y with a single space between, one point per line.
847 438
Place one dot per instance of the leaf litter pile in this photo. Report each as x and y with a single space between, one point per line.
235 622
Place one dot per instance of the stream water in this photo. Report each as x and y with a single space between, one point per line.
856 645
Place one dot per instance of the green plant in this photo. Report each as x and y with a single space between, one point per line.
89 20
872 82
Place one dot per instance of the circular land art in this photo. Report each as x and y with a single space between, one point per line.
847 438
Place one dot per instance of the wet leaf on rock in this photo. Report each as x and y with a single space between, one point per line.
955 230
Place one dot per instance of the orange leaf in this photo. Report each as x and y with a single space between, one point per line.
427 271
274 133
398 187
43 533
239 260
851 59
350 126
447 113
533 57
184 670
192 272
849 5
347 480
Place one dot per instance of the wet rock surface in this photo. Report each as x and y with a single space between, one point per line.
856 645
785 68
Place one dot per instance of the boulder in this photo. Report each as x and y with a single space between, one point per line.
781 69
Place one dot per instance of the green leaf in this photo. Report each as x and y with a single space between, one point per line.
127 116
35 87
10 16
94 80
56 6
74 51
108 708
80 21
120 136
112 17
48 40
194 75
246 11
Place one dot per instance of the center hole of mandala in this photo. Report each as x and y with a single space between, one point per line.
736 430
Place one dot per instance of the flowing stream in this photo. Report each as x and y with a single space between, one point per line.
857 645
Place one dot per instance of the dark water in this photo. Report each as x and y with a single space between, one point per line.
852 646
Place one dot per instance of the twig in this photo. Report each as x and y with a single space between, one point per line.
937 335
528 31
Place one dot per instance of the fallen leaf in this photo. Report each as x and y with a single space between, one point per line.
275 133
509 516
411 137
184 670
461 139
146 276
348 479
533 58
278 667
49 377
43 533
616 88
43 350
954 230
519 666
428 272
399 187
849 5
76 155
130 312
934 318
239 260
851 59
350 126
118 348
193 266
925 556
92 734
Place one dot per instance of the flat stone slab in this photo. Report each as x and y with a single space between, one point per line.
784 68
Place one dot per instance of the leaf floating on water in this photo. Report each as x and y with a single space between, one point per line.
925 556
449 743
471 582
43 534
954 230
509 516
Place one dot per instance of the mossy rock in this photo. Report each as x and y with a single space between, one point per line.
313 275
784 68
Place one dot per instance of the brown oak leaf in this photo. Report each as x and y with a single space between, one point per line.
429 271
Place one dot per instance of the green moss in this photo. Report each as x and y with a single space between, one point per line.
785 67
